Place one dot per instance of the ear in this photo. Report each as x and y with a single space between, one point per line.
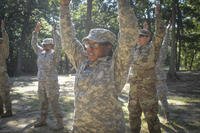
109 46
149 38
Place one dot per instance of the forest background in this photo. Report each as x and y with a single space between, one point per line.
21 16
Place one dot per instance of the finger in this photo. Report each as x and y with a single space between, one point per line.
145 25
65 2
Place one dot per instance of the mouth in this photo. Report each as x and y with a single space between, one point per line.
89 54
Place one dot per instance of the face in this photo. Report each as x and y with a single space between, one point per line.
48 47
143 39
95 50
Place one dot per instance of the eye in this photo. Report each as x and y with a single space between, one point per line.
96 45
86 46
91 46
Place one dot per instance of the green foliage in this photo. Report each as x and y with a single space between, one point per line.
103 16
21 16
191 37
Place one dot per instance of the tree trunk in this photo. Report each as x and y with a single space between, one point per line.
172 68
191 62
184 55
89 16
19 62
179 34
149 15
22 42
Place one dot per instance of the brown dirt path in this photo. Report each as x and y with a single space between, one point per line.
184 99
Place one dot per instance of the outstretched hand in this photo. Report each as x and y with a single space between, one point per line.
65 2
37 27
145 25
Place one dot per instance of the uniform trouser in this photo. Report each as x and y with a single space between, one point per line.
48 92
162 91
143 98
5 94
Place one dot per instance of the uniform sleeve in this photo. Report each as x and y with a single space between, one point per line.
34 43
150 54
5 48
128 33
70 44
58 48
163 49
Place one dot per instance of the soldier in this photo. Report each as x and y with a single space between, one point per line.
161 85
142 95
4 79
101 71
48 87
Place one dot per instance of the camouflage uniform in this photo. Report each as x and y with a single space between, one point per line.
4 79
142 95
48 87
161 84
98 84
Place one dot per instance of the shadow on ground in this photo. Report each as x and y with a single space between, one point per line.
184 103
26 106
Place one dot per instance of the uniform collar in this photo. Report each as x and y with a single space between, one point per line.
102 59
142 46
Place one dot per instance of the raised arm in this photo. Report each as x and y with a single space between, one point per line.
57 41
5 44
34 40
70 43
164 47
159 32
128 33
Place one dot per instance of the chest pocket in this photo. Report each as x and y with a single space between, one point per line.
141 55
84 76
144 55
99 78
45 60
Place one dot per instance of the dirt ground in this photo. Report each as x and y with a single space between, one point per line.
184 100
